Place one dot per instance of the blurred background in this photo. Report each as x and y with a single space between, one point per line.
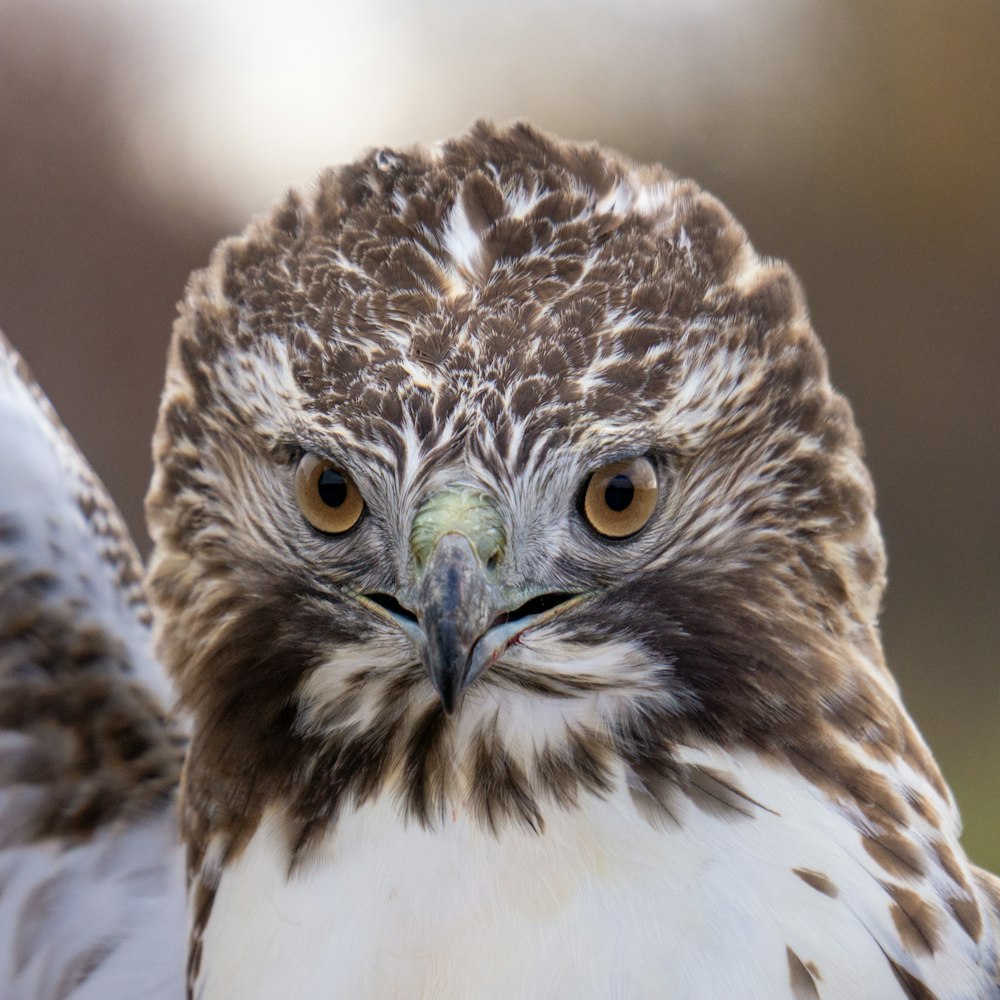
858 140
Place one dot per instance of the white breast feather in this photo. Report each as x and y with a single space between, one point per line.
604 904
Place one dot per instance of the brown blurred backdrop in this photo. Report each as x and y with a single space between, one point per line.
859 141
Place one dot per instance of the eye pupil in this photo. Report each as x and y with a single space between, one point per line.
332 488
619 492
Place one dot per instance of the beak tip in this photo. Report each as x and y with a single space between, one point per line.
455 608
447 690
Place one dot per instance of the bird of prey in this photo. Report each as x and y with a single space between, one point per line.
517 569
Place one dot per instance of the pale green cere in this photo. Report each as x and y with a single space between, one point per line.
460 511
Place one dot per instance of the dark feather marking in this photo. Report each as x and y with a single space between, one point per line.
556 685
581 763
200 910
950 865
921 805
499 788
917 920
79 969
912 987
894 852
426 766
867 788
820 882
966 912
721 789
802 977
658 810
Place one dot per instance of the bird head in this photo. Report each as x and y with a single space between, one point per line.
494 468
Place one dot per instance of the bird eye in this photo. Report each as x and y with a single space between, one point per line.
327 495
620 497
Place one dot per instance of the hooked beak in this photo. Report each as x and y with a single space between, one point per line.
456 605
461 620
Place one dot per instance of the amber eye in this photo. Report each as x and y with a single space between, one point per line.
620 497
327 495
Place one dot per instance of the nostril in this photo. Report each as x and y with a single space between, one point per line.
390 604
536 606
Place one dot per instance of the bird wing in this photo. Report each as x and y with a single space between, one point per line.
989 891
91 872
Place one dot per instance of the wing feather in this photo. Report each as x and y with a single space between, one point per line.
91 881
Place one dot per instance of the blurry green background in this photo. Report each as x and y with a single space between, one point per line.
859 140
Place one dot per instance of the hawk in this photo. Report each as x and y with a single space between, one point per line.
518 572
